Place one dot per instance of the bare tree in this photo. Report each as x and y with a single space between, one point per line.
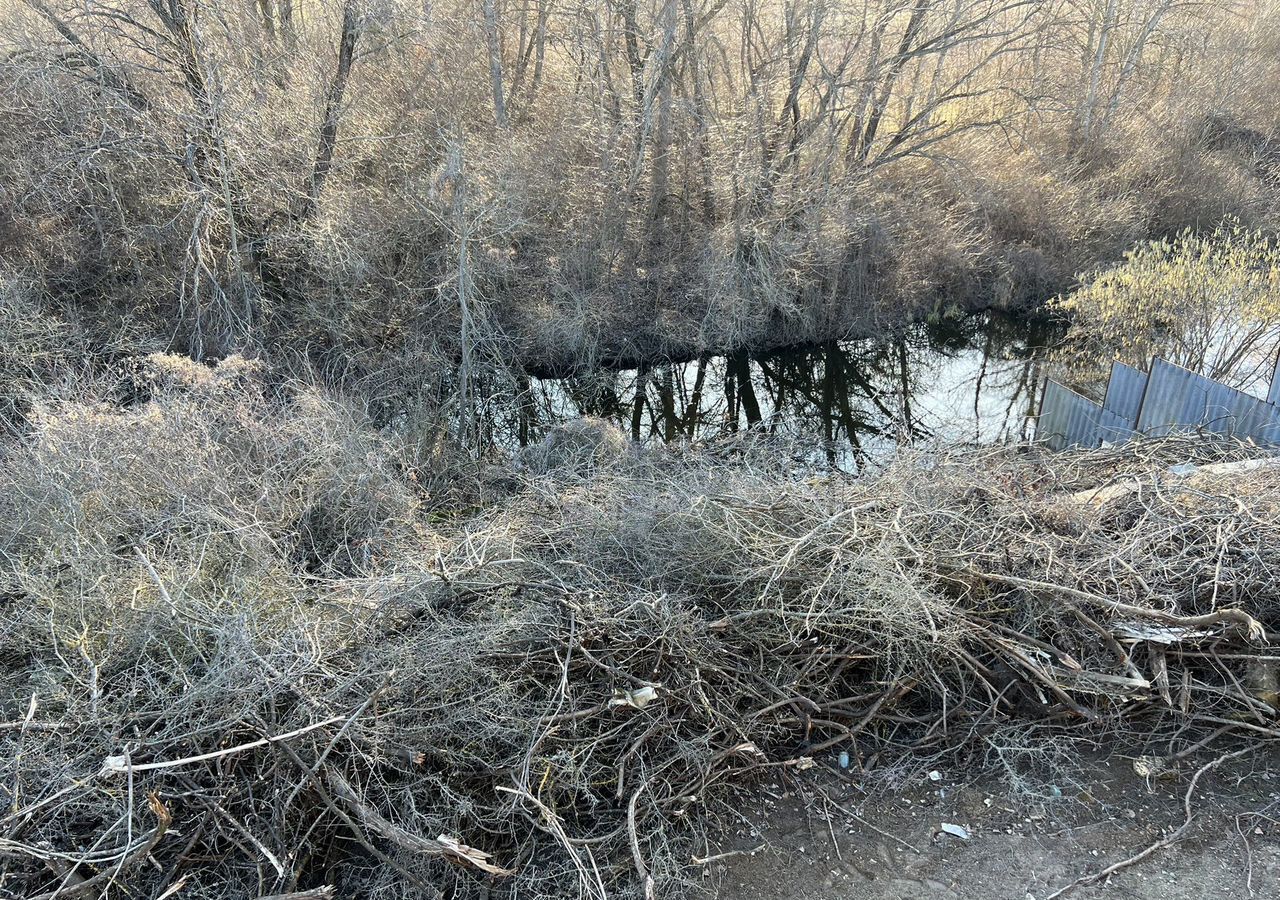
495 62
332 109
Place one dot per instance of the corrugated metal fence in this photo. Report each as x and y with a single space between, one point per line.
1068 419
1167 399
1125 389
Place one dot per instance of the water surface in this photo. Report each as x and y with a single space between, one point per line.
974 380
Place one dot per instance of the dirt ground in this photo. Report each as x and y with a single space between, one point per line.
820 835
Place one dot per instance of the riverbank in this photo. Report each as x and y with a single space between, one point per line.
628 343
259 643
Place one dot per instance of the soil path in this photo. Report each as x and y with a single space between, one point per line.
890 844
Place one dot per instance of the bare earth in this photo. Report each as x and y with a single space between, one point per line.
888 844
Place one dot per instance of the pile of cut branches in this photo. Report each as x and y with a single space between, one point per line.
257 667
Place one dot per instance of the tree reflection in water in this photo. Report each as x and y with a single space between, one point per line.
974 380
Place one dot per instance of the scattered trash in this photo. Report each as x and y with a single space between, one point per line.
639 698
955 830
935 775
843 759
1183 469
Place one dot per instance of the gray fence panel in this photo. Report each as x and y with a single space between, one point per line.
1273 396
1169 399
1180 400
1054 421
1175 399
1226 410
1068 419
1125 390
1258 419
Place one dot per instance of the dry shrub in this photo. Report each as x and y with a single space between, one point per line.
578 446
207 468
1206 302
36 350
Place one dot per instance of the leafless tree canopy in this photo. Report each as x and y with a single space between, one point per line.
562 182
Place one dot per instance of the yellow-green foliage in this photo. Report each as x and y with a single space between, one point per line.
1210 302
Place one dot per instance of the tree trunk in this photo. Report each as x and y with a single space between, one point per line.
332 109
495 62
1095 70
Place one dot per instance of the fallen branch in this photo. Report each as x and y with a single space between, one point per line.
1122 864
727 854
1236 617
115 765
445 846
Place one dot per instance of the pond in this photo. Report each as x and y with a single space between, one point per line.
971 380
